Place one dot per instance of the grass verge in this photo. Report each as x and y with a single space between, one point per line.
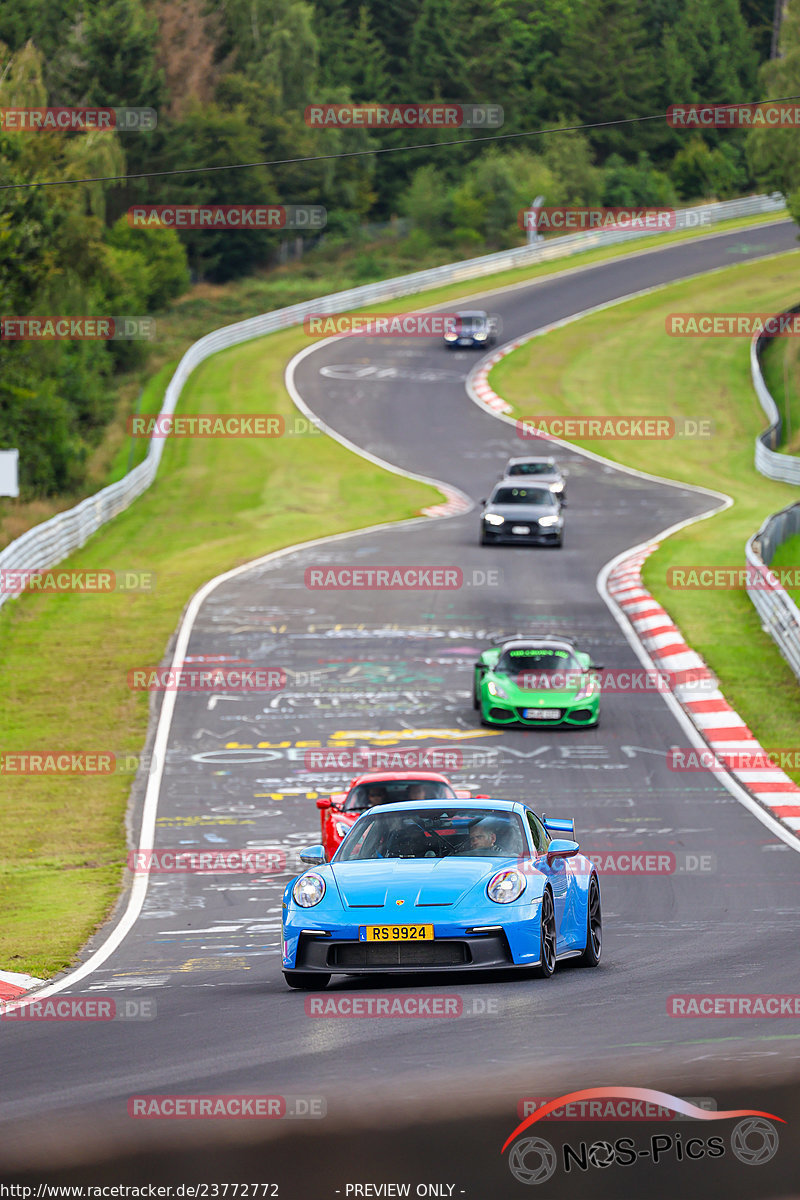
780 364
64 658
788 555
621 362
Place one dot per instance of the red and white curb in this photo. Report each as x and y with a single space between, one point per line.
723 729
456 503
480 380
12 986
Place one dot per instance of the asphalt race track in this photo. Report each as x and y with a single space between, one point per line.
391 667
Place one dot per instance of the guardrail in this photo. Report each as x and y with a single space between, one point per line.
783 467
49 543
779 614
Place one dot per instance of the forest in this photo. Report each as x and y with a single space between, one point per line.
230 81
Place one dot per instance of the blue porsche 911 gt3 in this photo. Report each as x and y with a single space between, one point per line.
433 885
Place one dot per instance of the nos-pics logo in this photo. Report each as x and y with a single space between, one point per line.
533 1160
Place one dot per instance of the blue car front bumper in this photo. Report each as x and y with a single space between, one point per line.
485 943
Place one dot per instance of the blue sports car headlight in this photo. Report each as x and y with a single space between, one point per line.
308 890
506 886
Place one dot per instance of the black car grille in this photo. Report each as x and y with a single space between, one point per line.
419 954
582 714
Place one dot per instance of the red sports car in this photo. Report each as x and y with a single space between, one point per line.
340 811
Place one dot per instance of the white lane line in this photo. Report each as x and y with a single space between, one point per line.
457 503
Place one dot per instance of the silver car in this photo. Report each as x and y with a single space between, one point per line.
545 471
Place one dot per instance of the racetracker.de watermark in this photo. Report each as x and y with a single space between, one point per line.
57 762
77 329
67 119
766 115
693 758
610 1109
392 578
252 860
213 679
221 425
569 218
613 429
738 324
732 324
367 758
403 116
633 862
618 682
403 325
403 1004
220 1107
15 581
79 1008
763 1004
722 578
228 216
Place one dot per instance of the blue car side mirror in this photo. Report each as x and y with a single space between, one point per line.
313 856
561 848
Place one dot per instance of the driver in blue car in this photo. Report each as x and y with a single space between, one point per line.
482 838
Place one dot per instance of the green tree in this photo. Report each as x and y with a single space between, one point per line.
610 73
629 184
273 41
774 154
569 157
436 68
216 138
366 62
163 260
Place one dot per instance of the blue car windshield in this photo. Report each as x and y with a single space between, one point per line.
434 833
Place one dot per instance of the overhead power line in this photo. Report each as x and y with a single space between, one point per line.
282 162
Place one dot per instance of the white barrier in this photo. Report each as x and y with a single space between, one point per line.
780 616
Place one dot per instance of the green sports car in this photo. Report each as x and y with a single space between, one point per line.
535 682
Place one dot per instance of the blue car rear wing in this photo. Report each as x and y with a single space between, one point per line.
565 826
